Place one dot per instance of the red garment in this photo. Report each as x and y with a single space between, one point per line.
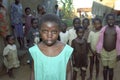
3 23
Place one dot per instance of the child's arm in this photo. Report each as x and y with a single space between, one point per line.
6 56
89 47
118 58
32 72
73 46
69 70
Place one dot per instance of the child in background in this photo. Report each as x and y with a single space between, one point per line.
85 24
33 36
10 55
109 46
16 12
72 31
40 11
28 18
64 33
92 42
51 57
80 52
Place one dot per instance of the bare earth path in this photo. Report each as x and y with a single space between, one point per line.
23 73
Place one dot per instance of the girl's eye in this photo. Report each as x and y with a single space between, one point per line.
44 31
54 32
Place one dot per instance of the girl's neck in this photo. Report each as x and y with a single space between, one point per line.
47 46
96 30
10 44
80 38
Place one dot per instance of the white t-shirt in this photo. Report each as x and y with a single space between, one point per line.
93 39
72 35
64 37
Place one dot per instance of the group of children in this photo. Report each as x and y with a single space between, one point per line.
54 59
100 44
32 37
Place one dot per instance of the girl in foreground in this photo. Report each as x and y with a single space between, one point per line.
51 58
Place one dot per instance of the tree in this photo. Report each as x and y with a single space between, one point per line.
67 9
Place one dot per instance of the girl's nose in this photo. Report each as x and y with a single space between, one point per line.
49 34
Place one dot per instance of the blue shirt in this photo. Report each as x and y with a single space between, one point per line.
16 13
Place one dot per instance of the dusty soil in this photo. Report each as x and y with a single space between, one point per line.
23 73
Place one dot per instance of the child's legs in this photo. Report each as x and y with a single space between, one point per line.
109 60
97 66
91 65
105 72
111 73
19 34
10 72
83 72
75 70
112 63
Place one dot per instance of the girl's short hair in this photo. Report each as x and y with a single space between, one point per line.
110 14
27 8
76 19
33 19
85 19
8 37
78 28
50 18
97 19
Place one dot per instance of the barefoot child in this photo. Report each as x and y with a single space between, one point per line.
10 55
85 24
64 33
109 46
92 41
79 54
28 17
72 31
33 36
51 58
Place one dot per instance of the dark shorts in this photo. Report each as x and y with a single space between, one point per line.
18 30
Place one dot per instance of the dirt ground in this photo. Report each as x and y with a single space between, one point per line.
23 73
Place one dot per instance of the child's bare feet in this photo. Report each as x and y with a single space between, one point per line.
11 75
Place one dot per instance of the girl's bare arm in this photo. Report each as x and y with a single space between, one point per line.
32 72
69 70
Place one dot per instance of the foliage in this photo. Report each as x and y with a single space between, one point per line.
69 22
67 9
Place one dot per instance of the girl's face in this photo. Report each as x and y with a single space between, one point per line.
63 28
97 25
28 11
11 40
111 21
49 33
80 33
85 24
35 23
40 10
76 23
